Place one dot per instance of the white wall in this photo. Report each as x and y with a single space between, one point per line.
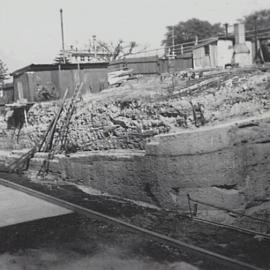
224 52
200 60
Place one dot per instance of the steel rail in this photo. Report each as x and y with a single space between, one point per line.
220 259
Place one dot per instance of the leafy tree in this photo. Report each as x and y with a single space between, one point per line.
119 50
114 51
3 72
188 30
262 20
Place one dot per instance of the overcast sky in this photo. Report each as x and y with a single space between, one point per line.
30 29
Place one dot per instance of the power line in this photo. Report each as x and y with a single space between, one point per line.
189 45
175 46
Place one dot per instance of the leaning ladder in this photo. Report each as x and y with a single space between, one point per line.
62 135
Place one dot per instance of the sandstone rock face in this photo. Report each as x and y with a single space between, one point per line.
129 117
8 156
141 142
233 172
230 172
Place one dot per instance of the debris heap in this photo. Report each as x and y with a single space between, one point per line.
130 115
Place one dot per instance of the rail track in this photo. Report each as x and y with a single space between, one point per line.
216 258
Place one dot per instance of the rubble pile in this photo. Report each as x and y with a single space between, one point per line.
117 125
236 97
128 116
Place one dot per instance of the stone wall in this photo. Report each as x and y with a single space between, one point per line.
227 165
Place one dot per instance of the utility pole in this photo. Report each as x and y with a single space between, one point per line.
95 46
196 40
256 39
62 34
173 42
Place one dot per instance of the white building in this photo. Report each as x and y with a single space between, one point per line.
218 52
94 53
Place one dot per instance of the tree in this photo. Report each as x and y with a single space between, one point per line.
189 30
120 50
3 72
260 20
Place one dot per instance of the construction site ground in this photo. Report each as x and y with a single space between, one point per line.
127 117
77 242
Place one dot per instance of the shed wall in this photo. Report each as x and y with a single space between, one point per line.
153 65
200 60
58 81
7 96
224 52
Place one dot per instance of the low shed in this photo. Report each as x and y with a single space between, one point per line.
213 53
6 93
140 65
49 81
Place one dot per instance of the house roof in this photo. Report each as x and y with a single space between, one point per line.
49 67
207 42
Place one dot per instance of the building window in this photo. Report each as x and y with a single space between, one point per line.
206 50
82 58
89 59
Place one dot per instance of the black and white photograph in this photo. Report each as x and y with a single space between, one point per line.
135 135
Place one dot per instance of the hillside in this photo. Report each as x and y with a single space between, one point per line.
128 116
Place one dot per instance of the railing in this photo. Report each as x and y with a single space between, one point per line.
193 213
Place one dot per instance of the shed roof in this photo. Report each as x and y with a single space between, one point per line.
49 67
134 60
207 42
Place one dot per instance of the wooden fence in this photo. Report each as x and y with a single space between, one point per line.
153 64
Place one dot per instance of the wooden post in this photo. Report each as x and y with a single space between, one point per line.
196 40
182 49
25 117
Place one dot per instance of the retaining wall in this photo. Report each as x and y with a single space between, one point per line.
227 165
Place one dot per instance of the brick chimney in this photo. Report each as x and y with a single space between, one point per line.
239 33
241 53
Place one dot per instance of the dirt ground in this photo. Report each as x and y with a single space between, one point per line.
76 242
146 108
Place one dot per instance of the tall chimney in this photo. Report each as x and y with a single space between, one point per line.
62 35
239 33
226 25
